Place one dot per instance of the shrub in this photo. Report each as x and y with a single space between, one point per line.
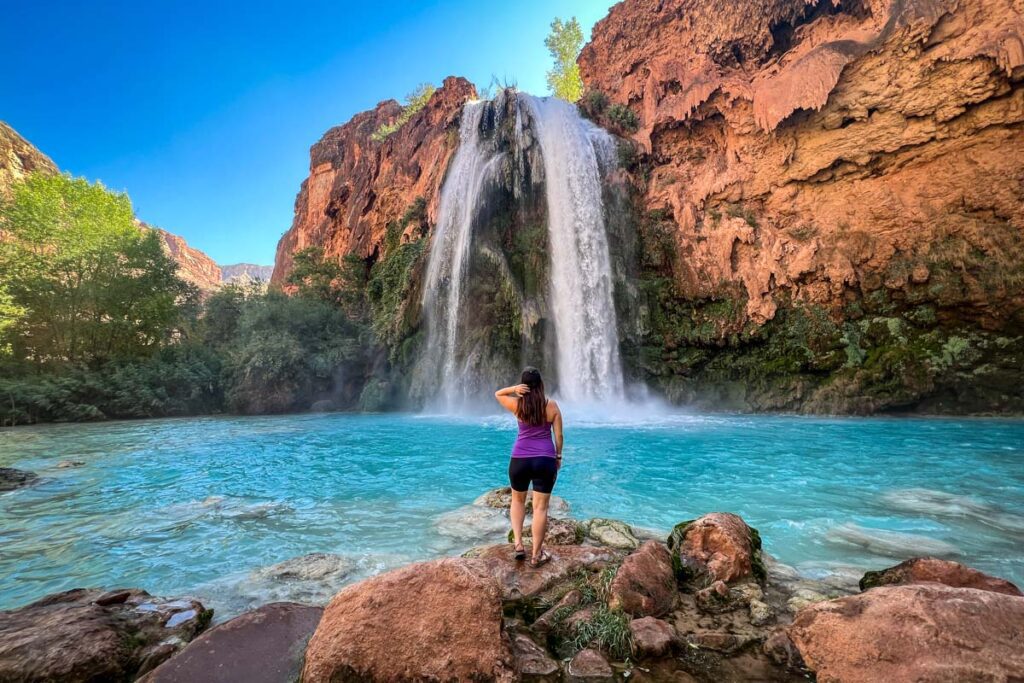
623 117
414 101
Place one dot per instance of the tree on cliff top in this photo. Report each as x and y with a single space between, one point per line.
414 101
564 43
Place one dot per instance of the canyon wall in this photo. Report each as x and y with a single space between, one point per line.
357 186
833 188
18 158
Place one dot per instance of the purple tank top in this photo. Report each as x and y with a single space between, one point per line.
533 440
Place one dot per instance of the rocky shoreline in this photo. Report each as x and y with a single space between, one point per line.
707 603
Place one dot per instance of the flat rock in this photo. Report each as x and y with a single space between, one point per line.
589 666
924 633
612 533
92 635
532 662
429 621
265 645
652 637
932 569
11 478
517 579
718 546
645 584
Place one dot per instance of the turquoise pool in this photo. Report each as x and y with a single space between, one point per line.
195 505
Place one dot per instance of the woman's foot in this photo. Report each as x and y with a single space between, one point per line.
519 551
538 560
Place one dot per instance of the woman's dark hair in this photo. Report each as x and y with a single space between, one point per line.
532 407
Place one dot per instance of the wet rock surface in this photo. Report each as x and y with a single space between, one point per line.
11 478
93 635
612 533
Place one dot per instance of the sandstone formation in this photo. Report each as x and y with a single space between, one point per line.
934 570
266 645
434 621
193 265
357 185
834 188
90 635
716 547
18 158
644 585
922 632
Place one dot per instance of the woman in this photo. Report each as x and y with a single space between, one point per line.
534 458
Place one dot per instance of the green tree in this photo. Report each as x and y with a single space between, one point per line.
564 43
10 313
93 285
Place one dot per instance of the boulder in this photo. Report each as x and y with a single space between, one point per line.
265 645
612 533
439 620
92 635
931 569
501 499
544 622
11 478
560 532
589 666
645 584
533 663
652 637
517 579
716 547
919 632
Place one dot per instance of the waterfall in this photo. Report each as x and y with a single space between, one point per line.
504 162
589 366
449 255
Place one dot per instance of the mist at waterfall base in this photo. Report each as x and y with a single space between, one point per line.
513 151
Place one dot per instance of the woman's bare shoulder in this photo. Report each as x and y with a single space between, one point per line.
553 407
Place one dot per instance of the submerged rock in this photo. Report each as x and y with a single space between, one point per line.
439 620
67 464
312 578
612 533
91 635
11 478
719 546
890 543
918 632
265 645
644 584
931 569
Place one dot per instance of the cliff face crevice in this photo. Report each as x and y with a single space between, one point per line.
358 185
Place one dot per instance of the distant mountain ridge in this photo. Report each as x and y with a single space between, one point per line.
19 157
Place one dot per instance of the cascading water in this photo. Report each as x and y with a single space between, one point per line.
449 254
589 366
491 252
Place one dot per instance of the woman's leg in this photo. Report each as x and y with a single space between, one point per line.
518 515
540 521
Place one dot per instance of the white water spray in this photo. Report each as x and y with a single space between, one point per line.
589 366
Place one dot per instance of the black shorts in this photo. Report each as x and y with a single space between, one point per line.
542 470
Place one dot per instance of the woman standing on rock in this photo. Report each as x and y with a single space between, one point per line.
535 457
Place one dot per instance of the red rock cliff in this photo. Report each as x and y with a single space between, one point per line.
356 185
823 149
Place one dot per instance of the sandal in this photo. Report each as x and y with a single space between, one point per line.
544 558
519 552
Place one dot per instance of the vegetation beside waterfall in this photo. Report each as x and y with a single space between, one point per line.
564 43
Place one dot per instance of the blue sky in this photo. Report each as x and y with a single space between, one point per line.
204 112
